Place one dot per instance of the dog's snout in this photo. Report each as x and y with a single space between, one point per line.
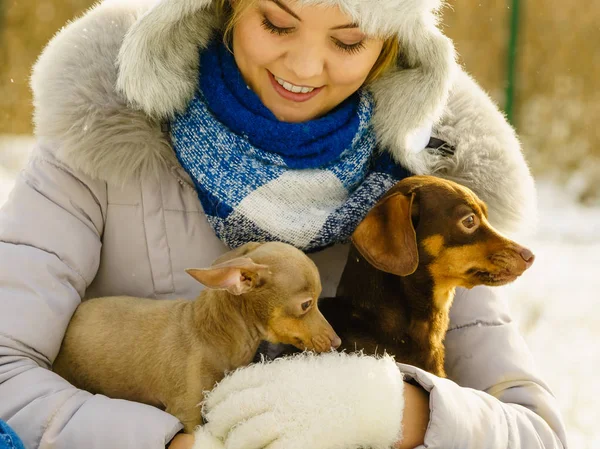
336 342
527 256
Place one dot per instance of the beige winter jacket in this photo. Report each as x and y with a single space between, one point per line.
103 208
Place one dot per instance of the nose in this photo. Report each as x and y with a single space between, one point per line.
336 341
527 256
305 61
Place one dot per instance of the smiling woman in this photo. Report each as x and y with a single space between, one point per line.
289 129
302 61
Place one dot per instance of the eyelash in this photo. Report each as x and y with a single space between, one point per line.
352 49
275 30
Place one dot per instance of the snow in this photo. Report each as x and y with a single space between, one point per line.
14 152
553 302
555 307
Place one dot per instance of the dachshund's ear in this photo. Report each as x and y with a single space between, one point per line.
386 237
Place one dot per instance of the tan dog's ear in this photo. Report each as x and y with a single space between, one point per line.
237 276
386 237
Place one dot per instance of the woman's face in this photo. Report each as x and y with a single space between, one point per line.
302 61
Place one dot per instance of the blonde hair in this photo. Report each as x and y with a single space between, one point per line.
386 60
228 16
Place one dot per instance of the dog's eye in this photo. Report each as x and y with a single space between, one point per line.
470 222
306 305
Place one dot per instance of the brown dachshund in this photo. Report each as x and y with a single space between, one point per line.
423 239
166 353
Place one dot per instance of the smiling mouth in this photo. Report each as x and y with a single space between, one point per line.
291 91
293 88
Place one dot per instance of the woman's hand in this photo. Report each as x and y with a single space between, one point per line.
316 401
228 406
416 420
182 441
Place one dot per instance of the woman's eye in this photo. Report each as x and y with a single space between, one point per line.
349 48
267 25
306 305
281 31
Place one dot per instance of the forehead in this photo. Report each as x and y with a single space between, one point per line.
443 194
312 10
297 279
332 13
467 196
382 20
292 270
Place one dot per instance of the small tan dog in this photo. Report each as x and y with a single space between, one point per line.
166 353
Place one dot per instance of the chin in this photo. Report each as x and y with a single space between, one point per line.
290 115
290 112
494 279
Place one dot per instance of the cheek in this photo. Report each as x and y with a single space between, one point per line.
352 70
253 47
259 53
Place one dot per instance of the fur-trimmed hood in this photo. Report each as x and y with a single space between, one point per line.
105 84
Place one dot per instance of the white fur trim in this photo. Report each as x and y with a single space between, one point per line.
317 401
77 108
415 95
158 61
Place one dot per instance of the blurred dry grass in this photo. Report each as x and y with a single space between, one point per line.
557 92
557 95
25 27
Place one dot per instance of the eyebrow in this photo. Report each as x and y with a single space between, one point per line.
293 14
286 9
345 27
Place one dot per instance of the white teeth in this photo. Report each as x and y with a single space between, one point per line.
296 89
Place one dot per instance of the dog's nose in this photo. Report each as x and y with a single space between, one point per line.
336 342
527 256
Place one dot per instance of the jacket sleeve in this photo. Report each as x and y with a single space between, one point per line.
493 398
50 243
488 157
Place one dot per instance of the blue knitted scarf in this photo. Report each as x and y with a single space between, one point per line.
258 179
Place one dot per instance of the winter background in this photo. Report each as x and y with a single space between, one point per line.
540 62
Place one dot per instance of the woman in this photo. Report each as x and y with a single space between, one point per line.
158 148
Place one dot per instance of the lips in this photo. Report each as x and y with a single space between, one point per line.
298 97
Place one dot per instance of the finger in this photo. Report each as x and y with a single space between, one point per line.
255 433
248 377
237 407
